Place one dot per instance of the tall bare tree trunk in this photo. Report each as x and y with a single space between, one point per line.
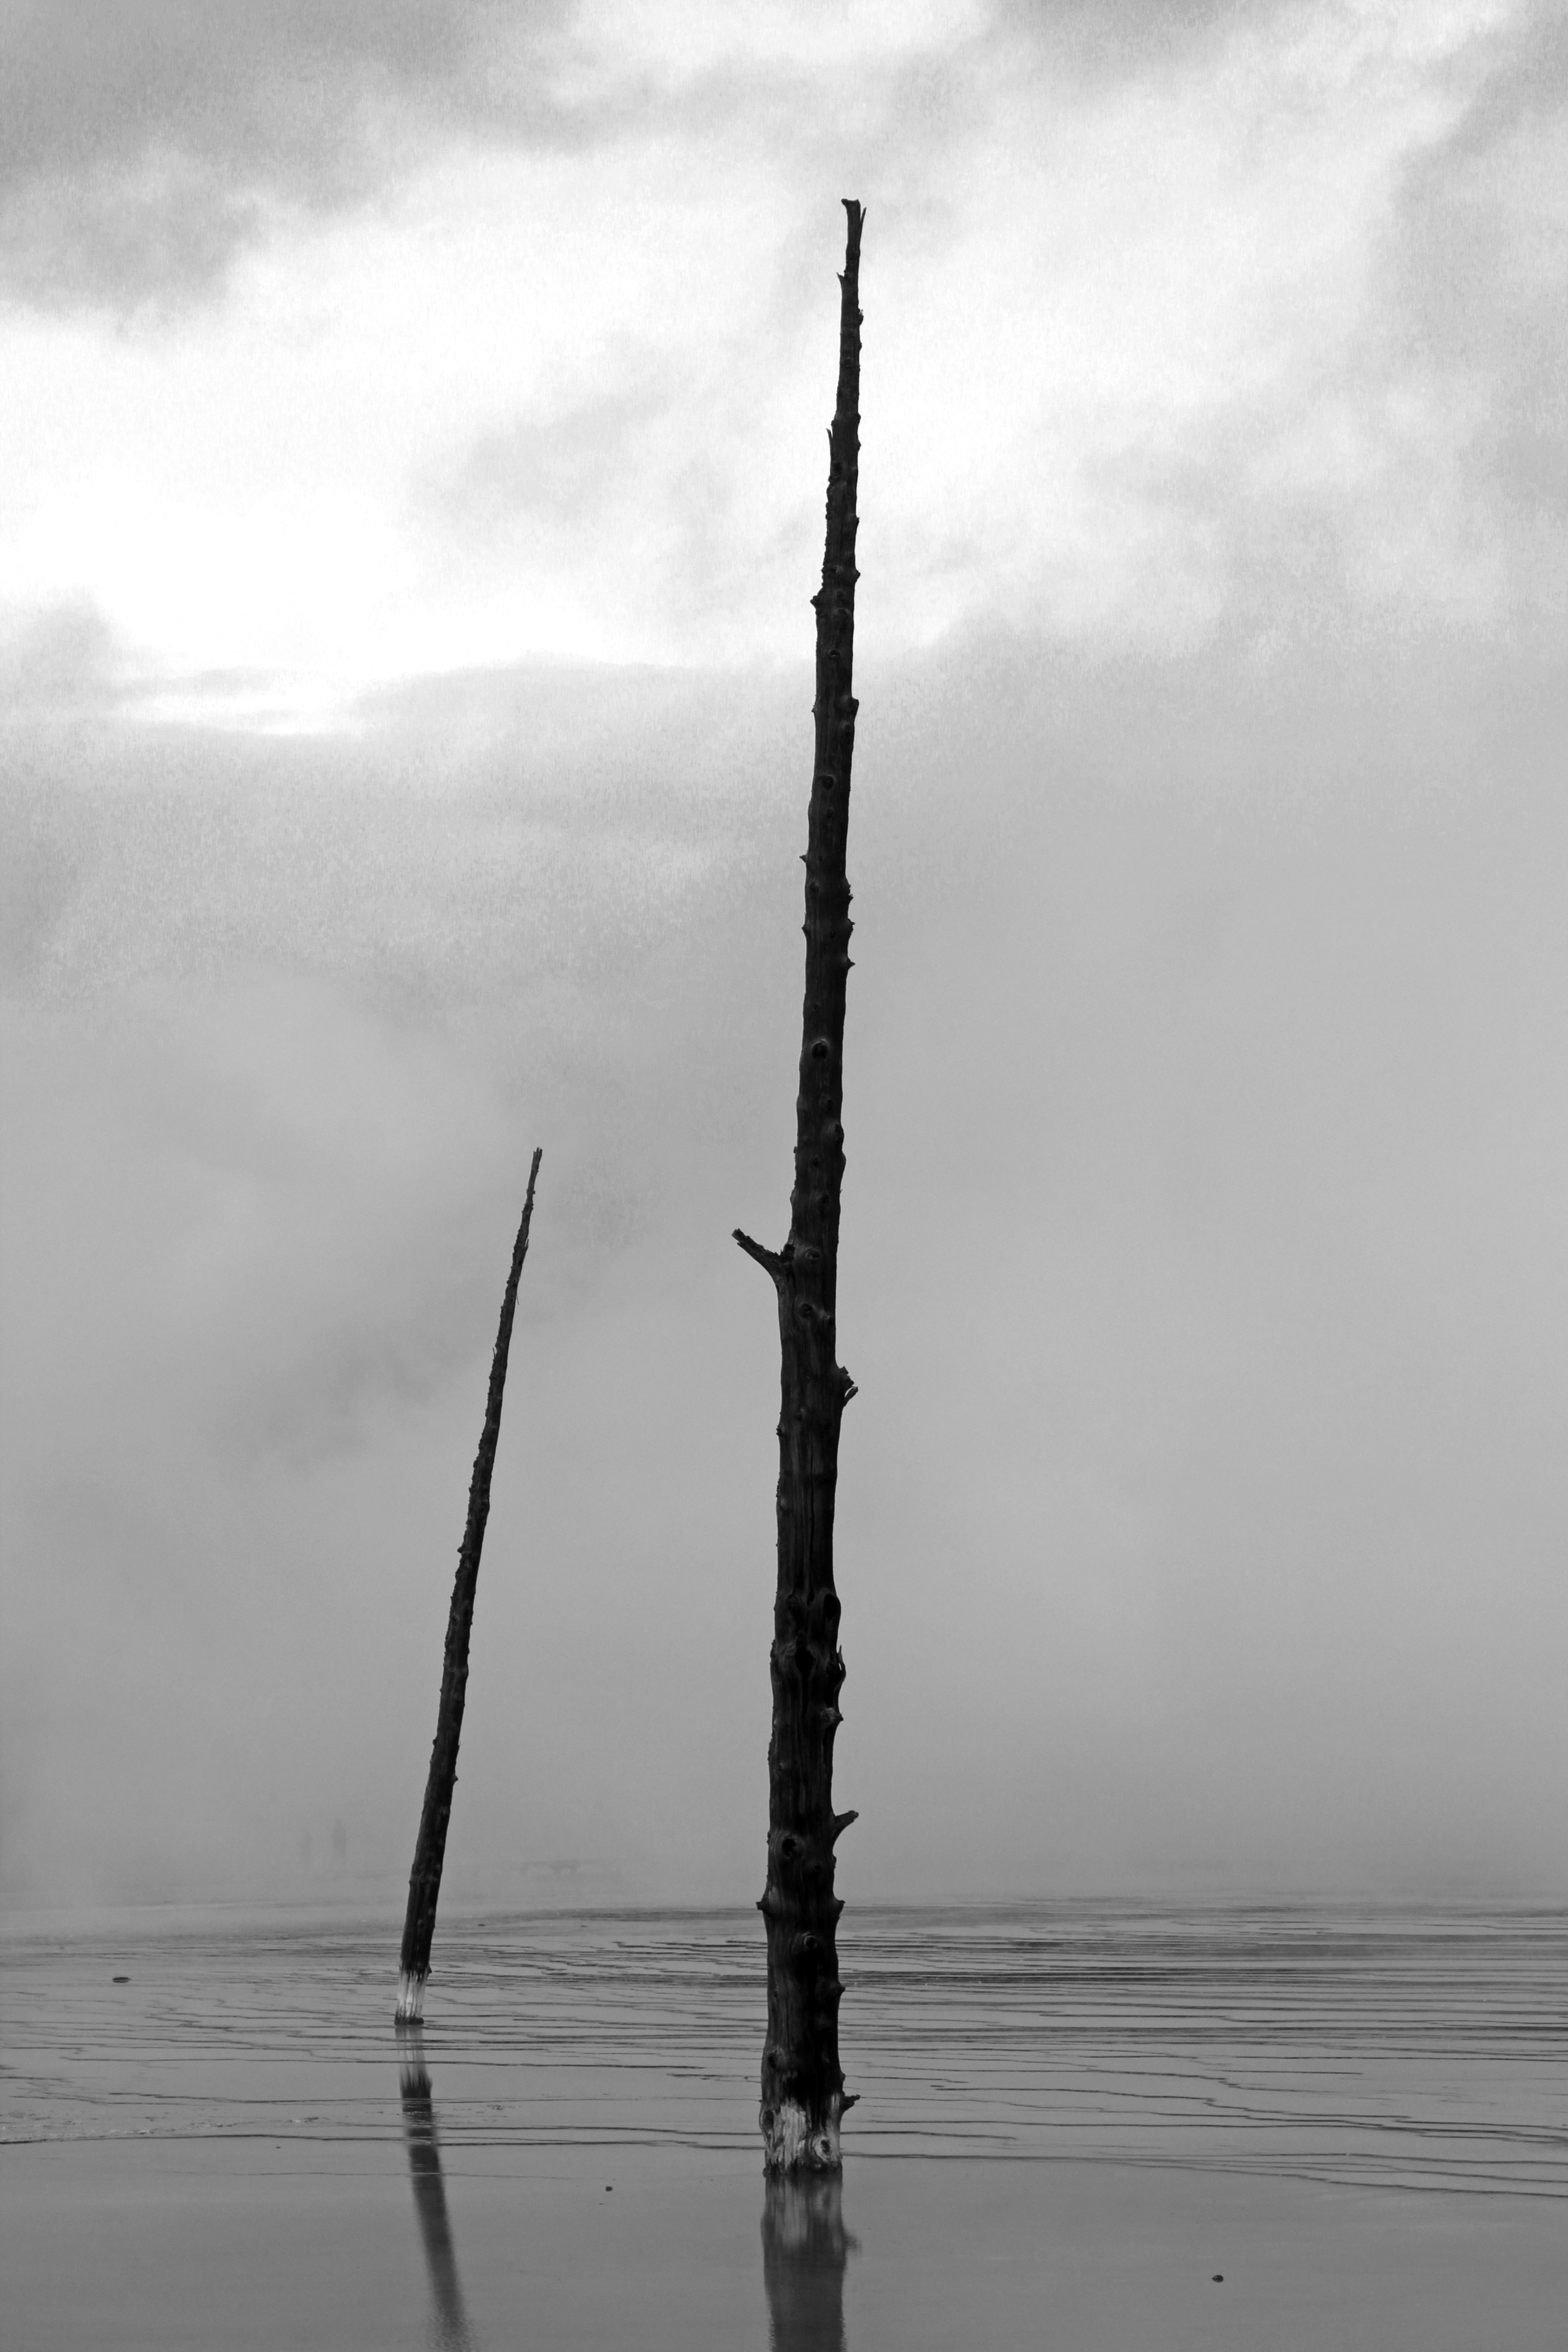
803 2082
430 1848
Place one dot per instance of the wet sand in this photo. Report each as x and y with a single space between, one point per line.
1072 2119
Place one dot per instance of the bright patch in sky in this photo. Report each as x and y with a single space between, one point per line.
567 401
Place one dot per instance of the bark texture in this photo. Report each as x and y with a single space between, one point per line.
802 2084
430 1848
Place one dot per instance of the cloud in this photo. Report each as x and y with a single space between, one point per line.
1477 288
1383 453
558 469
1150 353
59 662
149 140
1133 38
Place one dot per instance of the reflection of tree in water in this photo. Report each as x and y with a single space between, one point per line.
451 2332
804 2250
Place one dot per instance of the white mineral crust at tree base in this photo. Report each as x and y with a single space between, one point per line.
410 2007
789 2143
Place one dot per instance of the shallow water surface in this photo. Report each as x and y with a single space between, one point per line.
1072 2117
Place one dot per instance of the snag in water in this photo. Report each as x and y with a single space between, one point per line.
430 1848
803 2082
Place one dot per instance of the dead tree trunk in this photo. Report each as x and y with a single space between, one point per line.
430 1847
803 2082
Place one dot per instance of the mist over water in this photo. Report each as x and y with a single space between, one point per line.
1203 1264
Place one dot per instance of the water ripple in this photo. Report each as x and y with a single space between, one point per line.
1428 2049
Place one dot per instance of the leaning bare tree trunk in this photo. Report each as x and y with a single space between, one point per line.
803 2082
430 1849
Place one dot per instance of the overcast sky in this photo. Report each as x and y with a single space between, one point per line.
412 463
